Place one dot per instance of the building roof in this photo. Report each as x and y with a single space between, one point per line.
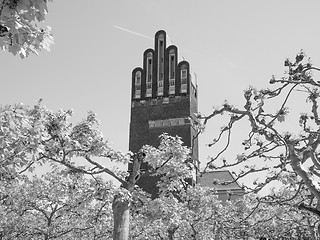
215 179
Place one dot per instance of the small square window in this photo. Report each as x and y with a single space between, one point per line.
149 92
159 123
138 78
184 73
165 100
138 95
175 121
183 81
183 88
181 121
160 91
166 123
152 124
154 102
172 90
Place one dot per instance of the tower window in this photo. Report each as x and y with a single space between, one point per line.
160 88
166 123
149 75
138 78
175 121
152 124
172 87
160 64
172 66
159 123
161 57
166 100
172 69
181 121
137 85
184 74
149 69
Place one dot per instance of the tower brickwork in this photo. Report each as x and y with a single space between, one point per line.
163 100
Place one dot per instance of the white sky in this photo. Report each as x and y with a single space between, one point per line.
229 44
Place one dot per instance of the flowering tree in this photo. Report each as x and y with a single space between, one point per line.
56 206
33 136
193 214
19 32
180 208
198 214
274 146
275 216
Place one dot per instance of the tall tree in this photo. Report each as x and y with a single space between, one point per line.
281 138
32 136
56 206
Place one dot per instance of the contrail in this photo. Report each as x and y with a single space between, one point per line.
144 36
129 31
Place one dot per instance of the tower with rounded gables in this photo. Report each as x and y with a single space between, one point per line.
163 100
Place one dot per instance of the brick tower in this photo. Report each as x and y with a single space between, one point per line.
163 100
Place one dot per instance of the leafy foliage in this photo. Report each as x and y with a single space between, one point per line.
191 215
56 206
200 215
35 135
169 162
19 30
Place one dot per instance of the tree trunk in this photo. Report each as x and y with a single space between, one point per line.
121 217
313 231
171 232
121 204
217 234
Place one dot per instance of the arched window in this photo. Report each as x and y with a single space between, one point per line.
184 78
137 85
160 64
149 75
172 71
